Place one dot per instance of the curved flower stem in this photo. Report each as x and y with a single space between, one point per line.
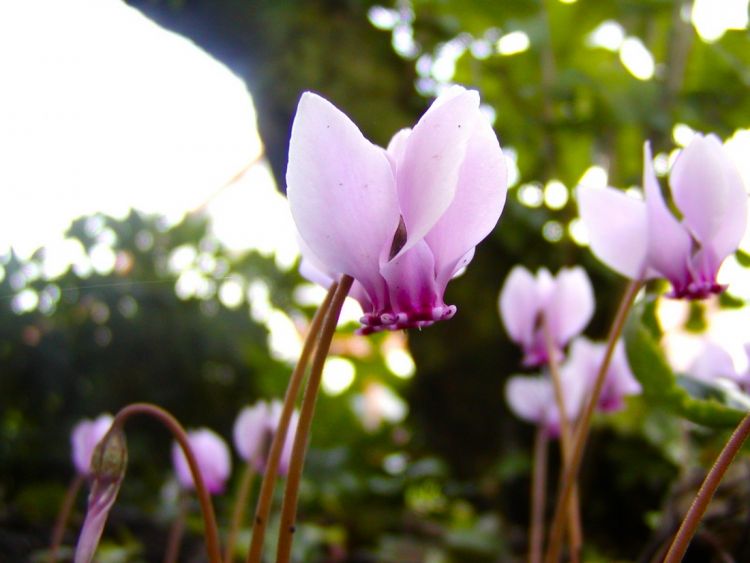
263 508
62 517
176 531
708 488
238 513
582 429
575 536
289 506
207 509
538 496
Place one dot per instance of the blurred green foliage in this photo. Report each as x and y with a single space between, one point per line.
451 482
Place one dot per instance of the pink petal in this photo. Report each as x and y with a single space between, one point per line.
397 147
212 456
84 438
411 280
669 244
530 398
428 174
616 224
712 363
708 190
251 431
519 305
478 202
570 305
342 193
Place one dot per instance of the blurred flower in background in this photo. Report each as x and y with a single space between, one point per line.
212 456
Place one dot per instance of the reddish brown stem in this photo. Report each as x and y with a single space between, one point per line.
268 484
238 514
289 506
538 496
575 536
176 531
62 517
582 430
706 492
204 498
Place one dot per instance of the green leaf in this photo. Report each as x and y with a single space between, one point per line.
697 401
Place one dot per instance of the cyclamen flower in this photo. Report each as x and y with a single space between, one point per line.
565 303
532 398
212 455
254 430
584 361
401 221
643 239
84 438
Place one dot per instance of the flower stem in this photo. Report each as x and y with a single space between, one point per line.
538 496
62 517
289 506
176 531
575 536
582 429
204 498
238 513
706 492
268 483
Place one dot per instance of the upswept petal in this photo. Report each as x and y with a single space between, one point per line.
570 306
708 190
669 244
428 175
341 192
616 224
478 202
519 305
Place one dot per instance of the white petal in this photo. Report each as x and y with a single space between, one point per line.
519 305
571 305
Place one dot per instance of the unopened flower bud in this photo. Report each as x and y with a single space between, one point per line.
108 463
110 457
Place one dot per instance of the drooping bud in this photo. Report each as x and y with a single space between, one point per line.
108 464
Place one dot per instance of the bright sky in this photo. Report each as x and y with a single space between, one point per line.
102 110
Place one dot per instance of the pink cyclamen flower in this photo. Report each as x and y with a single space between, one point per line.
254 430
212 455
584 361
643 239
84 438
565 303
532 398
401 221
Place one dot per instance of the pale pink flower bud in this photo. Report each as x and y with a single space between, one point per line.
254 430
212 456
584 361
532 398
564 303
